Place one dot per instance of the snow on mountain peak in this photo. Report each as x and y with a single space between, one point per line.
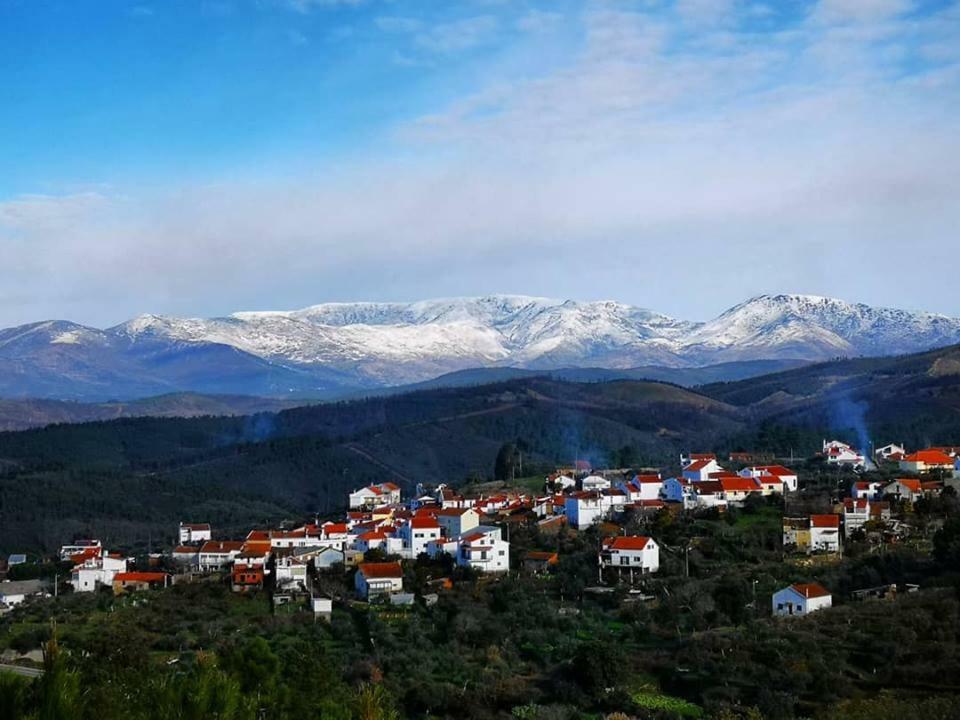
395 342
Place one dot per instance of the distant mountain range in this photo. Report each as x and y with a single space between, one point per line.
340 349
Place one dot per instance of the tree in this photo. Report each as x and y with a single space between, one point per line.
504 468
946 544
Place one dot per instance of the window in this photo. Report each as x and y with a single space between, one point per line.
624 560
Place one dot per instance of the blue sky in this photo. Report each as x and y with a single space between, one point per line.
197 157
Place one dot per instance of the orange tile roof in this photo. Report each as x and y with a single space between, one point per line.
824 521
811 590
637 542
221 546
381 570
929 457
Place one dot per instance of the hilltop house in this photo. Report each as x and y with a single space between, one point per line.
416 534
839 453
630 553
924 461
642 487
484 549
593 483
825 533
14 592
90 572
801 599
699 470
387 493
892 452
194 533
374 579
133 581
217 554
907 489
456 521
786 476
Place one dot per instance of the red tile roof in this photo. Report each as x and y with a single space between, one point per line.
221 546
911 484
811 590
929 457
381 570
825 521
739 484
778 470
637 542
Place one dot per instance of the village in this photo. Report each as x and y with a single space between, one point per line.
361 556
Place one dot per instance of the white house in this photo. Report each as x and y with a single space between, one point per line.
631 552
194 533
594 482
908 489
839 453
787 476
642 487
81 547
485 550
374 579
584 509
856 512
323 557
699 470
924 461
416 534
456 521
825 533
387 493
217 554
14 592
187 555
801 599
88 575
559 482
290 571
890 452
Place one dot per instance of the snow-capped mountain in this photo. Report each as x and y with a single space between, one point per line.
339 346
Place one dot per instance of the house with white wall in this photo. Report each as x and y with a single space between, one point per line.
373 579
642 487
195 533
594 482
387 493
93 572
801 599
825 533
218 554
925 461
484 549
456 521
416 533
584 509
699 470
787 476
632 552
906 489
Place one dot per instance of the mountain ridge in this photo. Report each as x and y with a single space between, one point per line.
328 349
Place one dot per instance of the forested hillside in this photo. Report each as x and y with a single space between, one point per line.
131 480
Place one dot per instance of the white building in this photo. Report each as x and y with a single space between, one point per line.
14 592
387 493
889 452
869 489
787 476
194 533
584 509
290 572
94 572
631 553
81 547
416 534
908 489
559 482
594 482
642 487
374 579
217 554
924 461
801 599
485 550
839 453
825 533
456 521
699 470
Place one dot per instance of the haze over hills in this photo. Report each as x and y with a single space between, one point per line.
332 349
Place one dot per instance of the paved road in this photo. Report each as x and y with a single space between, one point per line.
20 670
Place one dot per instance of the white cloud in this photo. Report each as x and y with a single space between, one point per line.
679 170
458 35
